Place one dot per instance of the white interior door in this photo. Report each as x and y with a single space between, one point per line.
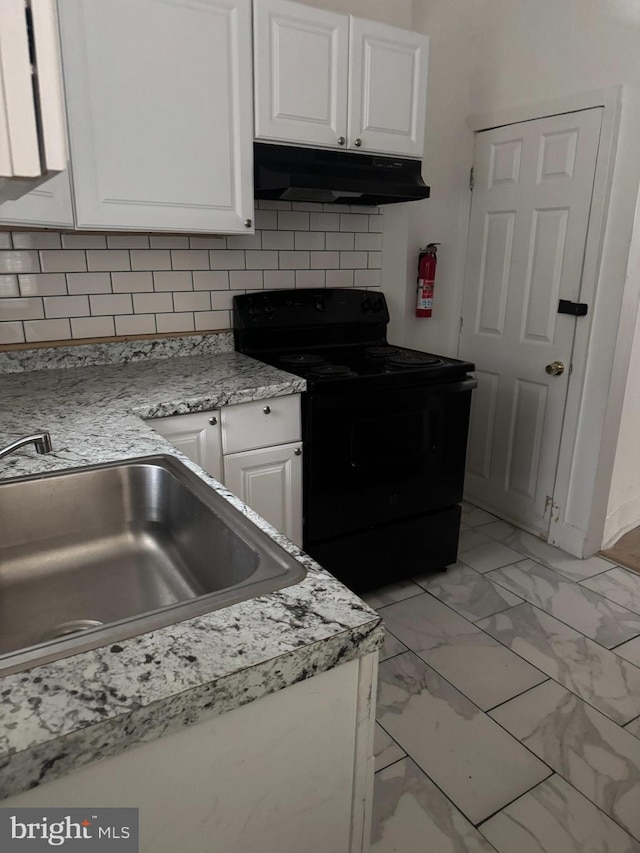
387 88
301 70
528 228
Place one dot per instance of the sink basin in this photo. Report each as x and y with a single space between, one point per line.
95 555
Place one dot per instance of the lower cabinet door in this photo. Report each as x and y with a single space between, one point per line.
197 436
270 482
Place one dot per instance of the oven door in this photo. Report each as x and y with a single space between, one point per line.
374 458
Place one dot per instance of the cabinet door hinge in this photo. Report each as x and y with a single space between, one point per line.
461 323
472 178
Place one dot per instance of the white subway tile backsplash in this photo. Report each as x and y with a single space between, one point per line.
295 220
128 281
279 279
266 220
22 309
17 262
245 279
367 278
127 241
168 241
190 259
200 301
295 260
226 260
207 321
11 333
261 260
149 259
152 303
325 260
36 331
114 303
336 241
84 241
278 239
93 327
163 281
368 242
99 260
353 260
136 324
43 284
65 306
310 278
214 280
307 240
35 240
325 221
207 242
9 286
89 282
179 322
339 278
132 282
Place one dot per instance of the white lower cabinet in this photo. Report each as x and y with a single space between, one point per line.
270 481
290 772
254 449
197 436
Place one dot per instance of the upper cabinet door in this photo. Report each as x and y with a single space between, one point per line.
387 89
159 105
301 73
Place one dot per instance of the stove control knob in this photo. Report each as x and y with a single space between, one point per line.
367 307
252 309
321 305
268 307
378 304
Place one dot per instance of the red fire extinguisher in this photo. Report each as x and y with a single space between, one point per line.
427 262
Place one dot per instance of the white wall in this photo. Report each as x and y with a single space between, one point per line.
492 56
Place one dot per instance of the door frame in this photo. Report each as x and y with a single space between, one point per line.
596 385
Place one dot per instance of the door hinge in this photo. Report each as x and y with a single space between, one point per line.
461 323
472 178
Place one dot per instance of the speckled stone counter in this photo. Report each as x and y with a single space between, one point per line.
61 716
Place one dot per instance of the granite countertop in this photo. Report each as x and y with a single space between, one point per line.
60 716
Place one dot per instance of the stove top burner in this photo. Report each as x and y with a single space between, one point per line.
412 359
329 371
302 359
380 351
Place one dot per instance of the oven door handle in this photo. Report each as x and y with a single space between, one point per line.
456 387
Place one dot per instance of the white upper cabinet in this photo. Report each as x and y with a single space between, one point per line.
159 96
325 79
387 88
301 69
32 134
49 204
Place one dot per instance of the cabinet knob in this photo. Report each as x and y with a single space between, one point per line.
358 143
341 140
213 421
267 410
248 223
297 452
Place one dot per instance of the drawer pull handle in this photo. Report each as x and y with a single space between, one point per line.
297 451
267 410
213 421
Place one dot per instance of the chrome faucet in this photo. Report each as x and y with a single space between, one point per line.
42 441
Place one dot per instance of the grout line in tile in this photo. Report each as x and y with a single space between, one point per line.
524 794
522 692
413 595
402 758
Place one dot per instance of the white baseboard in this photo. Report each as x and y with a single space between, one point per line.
621 521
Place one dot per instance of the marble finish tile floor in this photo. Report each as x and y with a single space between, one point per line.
509 702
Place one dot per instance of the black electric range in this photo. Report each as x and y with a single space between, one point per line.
384 431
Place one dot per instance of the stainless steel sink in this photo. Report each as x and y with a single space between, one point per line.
95 555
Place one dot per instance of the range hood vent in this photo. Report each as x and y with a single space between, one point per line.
335 177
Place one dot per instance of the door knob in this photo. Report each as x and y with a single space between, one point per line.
556 368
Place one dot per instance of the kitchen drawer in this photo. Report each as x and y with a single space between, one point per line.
260 424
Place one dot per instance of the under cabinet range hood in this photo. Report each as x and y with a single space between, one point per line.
335 177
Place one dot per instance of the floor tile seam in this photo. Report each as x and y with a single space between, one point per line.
551 677
485 713
635 719
479 825
495 568
546 678
564 622
399 601
404 755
